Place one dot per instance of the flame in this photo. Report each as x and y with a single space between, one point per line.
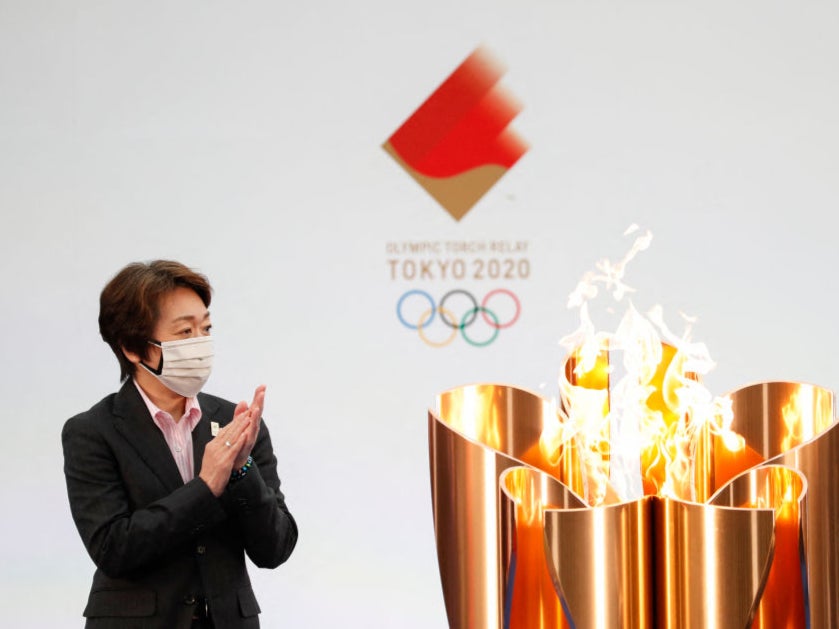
782 603
792 415
526 495
632 401
476 416
555 436
806 413
584 394
662 426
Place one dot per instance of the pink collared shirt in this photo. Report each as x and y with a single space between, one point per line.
178 435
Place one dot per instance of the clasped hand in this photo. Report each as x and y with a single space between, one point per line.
230 448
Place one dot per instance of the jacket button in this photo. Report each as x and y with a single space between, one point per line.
201 550
189 599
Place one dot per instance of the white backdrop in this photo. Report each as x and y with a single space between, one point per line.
244 139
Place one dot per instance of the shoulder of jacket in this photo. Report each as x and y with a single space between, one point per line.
104 408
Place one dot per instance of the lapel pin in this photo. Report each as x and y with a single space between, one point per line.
214 428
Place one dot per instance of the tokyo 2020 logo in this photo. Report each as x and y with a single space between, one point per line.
458 313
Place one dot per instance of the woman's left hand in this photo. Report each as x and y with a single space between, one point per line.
254 416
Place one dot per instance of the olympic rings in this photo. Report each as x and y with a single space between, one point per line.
422 319
428 341
501 291
454 324
484 312
452 320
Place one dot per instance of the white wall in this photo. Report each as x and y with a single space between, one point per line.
243 138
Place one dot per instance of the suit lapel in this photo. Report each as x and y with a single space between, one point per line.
135 423
202 432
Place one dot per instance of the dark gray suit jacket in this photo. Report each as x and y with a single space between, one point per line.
159 544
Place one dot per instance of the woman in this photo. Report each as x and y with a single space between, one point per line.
170 488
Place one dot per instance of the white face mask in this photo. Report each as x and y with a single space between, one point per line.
184 365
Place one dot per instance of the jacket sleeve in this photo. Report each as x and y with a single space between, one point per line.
257 504
119 538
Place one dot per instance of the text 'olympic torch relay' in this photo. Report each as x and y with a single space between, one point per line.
639 500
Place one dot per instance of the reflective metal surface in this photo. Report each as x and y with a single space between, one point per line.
783 581
794 425
519 547
600 561
530 600
481 431
710 563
